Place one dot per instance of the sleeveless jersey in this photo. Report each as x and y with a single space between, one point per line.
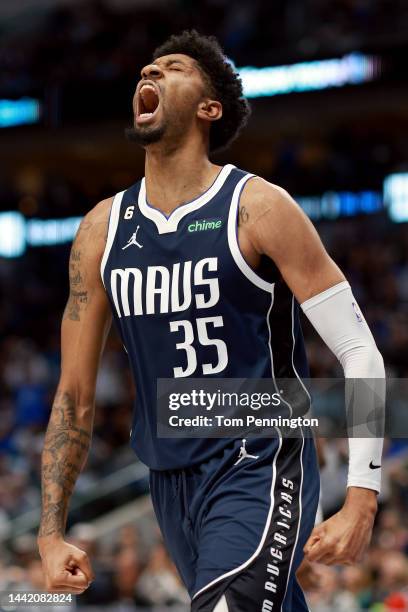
186 303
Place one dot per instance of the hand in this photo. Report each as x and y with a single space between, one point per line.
344 537
308 576
67 568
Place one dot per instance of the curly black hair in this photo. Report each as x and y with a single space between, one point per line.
225 84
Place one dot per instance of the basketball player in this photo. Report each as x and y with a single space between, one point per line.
204 268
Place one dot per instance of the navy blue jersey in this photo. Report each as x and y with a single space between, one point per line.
186 303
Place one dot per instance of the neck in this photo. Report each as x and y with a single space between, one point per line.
177 176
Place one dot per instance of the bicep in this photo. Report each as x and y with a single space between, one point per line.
287 236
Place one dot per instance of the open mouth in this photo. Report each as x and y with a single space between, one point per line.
147 103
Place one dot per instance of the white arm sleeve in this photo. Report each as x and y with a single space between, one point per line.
335 315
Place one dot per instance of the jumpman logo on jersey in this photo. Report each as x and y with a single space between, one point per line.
133 240
243 454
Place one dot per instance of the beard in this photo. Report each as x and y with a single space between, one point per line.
145 135
172 128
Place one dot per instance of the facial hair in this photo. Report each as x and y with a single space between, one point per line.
143 136
173 127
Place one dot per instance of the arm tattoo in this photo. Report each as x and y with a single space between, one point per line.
89 233
65 450
78 295
243 215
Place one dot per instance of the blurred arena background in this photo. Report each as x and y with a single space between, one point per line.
329 89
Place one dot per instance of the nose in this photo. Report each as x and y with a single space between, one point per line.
152 71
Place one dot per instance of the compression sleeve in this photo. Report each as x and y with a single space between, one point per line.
335 315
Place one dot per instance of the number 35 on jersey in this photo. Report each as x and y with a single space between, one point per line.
157 290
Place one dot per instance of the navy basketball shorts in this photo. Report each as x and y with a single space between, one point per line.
235 526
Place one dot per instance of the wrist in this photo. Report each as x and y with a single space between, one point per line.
362 498
49 540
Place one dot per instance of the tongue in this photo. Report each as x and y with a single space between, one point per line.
150 100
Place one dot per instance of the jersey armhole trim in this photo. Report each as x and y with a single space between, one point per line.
112 228
233 243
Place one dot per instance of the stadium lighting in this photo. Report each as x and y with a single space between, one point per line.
396 196
335 204
17 233
19 112
12 234
352 69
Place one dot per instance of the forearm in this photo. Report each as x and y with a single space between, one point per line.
335 315
363 499
65 451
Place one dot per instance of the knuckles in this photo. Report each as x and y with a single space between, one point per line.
52 585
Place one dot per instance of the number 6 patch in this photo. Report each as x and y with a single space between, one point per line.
129 212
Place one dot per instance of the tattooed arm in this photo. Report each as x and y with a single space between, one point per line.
85 325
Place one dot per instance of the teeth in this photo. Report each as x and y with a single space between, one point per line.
150 99
147 86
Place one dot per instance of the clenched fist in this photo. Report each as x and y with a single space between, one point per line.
344 537
67 568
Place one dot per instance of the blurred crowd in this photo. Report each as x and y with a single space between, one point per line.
373 254
128 570
105 43
28 380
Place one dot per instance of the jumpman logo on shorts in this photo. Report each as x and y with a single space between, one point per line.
243 454
133 240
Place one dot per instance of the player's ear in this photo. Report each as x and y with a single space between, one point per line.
209 110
